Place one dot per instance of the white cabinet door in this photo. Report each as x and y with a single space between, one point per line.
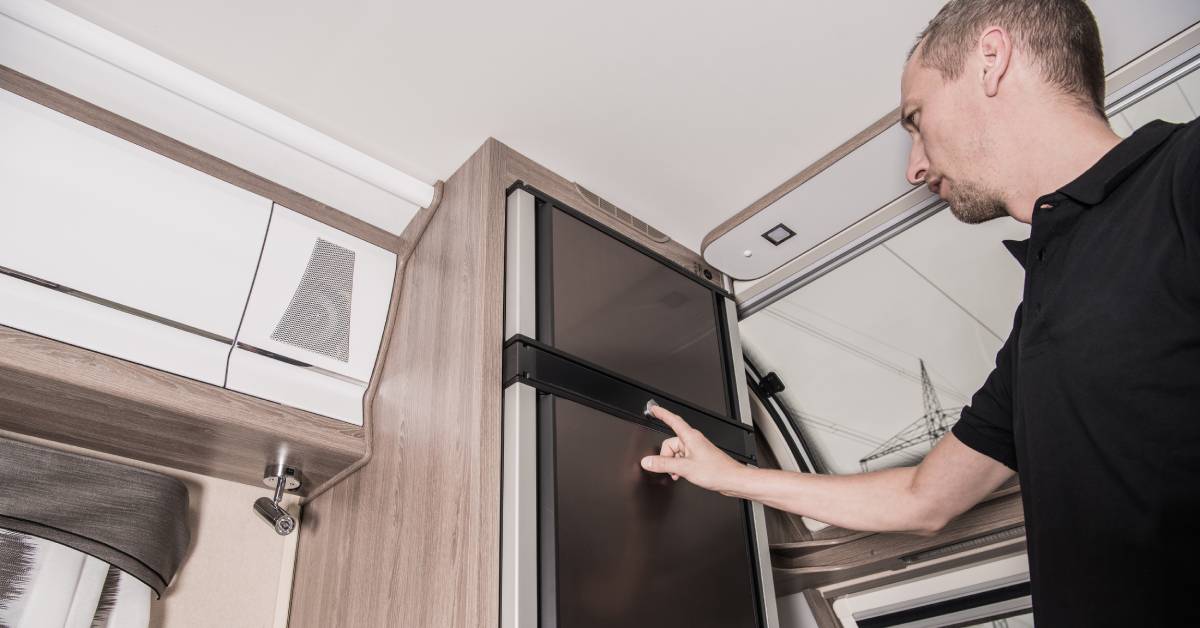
122 225
320 298
52 314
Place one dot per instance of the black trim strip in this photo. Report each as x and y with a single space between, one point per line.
547 491
760 610
547 369
543 264
932 611
732 407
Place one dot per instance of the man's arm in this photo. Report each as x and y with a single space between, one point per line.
922 499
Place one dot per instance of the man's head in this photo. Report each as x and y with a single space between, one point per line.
983 75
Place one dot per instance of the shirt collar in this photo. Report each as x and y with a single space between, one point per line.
1019 249
1095 184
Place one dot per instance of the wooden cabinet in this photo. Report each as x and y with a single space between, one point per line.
114 248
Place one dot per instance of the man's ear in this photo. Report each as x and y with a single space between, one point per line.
995 50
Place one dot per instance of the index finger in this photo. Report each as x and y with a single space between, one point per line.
673 421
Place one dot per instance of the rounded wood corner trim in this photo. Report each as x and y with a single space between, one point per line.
439 187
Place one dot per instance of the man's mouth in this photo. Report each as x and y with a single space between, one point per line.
935 186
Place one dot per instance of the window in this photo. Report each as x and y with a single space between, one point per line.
879 355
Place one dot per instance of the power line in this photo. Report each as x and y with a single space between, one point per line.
853 348
945 388
943 293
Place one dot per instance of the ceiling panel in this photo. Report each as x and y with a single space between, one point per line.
680 112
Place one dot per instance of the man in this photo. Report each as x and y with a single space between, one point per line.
1095 398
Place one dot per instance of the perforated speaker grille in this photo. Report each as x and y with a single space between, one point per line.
318 318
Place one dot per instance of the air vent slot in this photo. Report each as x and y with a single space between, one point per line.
625 217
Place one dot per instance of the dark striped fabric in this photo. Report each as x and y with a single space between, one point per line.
44 584
133 519
16 561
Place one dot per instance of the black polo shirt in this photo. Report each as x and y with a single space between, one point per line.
1095 399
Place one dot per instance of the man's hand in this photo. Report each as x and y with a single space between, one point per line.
951 479
689 455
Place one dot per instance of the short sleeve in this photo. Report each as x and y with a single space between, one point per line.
987 424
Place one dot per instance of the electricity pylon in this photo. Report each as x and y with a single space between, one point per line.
931 426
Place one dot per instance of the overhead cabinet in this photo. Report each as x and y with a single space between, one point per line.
114 248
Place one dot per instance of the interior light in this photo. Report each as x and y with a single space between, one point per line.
778 234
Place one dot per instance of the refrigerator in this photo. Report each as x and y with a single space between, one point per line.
596 326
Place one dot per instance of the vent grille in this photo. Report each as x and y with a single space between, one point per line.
622 215
318 317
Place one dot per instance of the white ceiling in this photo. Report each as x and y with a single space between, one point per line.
680 112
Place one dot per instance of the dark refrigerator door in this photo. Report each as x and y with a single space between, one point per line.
608 303
631 548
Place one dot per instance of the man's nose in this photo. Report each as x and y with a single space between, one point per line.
918 164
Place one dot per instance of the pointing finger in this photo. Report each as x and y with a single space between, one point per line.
673 421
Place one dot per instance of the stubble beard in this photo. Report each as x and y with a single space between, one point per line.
974 204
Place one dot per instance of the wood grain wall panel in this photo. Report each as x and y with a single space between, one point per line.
407 243
62 393
413 538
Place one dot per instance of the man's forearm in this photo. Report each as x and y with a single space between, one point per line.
879 501
923 499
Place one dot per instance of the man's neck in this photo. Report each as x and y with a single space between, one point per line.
1055 149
